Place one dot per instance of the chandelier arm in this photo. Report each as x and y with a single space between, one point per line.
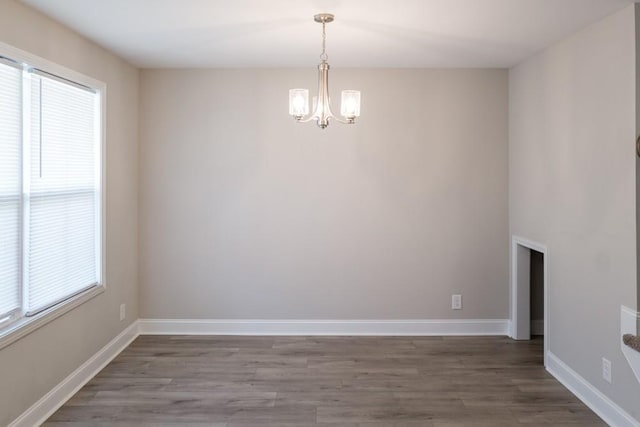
329 116
344 122
306 119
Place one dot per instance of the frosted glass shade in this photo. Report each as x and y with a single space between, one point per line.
298 102
350 105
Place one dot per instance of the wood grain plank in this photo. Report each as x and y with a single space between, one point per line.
236 381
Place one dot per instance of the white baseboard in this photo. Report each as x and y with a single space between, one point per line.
48 404
54 399
323 327
606 409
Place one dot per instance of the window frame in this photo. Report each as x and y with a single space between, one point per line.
18 324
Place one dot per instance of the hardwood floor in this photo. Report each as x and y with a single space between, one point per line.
219 381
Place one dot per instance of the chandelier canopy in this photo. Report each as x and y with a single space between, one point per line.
299 98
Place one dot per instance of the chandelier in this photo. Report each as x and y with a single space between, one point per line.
299 98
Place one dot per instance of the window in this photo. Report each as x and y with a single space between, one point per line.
50 189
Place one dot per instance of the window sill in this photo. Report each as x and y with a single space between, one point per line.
24 326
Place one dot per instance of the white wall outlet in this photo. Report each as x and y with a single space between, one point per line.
123 311
456 302
606 370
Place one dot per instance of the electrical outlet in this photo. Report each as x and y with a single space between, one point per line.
606 370
123 312
456 302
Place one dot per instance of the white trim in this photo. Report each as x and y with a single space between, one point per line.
629 320
323 327
24 325
606 409
515 241
35 61
19 328
56 397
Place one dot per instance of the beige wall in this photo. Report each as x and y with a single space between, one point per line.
572 188
32 366
246 214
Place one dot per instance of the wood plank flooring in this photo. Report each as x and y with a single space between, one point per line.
219 381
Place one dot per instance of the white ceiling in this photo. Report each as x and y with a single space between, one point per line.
366 33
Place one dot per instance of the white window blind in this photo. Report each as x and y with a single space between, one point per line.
50 190
62 215
10 188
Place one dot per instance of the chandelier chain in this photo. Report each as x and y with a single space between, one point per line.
323 55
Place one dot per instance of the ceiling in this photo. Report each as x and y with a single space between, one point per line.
366 33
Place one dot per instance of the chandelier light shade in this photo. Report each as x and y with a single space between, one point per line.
321 111
298 102
350 105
